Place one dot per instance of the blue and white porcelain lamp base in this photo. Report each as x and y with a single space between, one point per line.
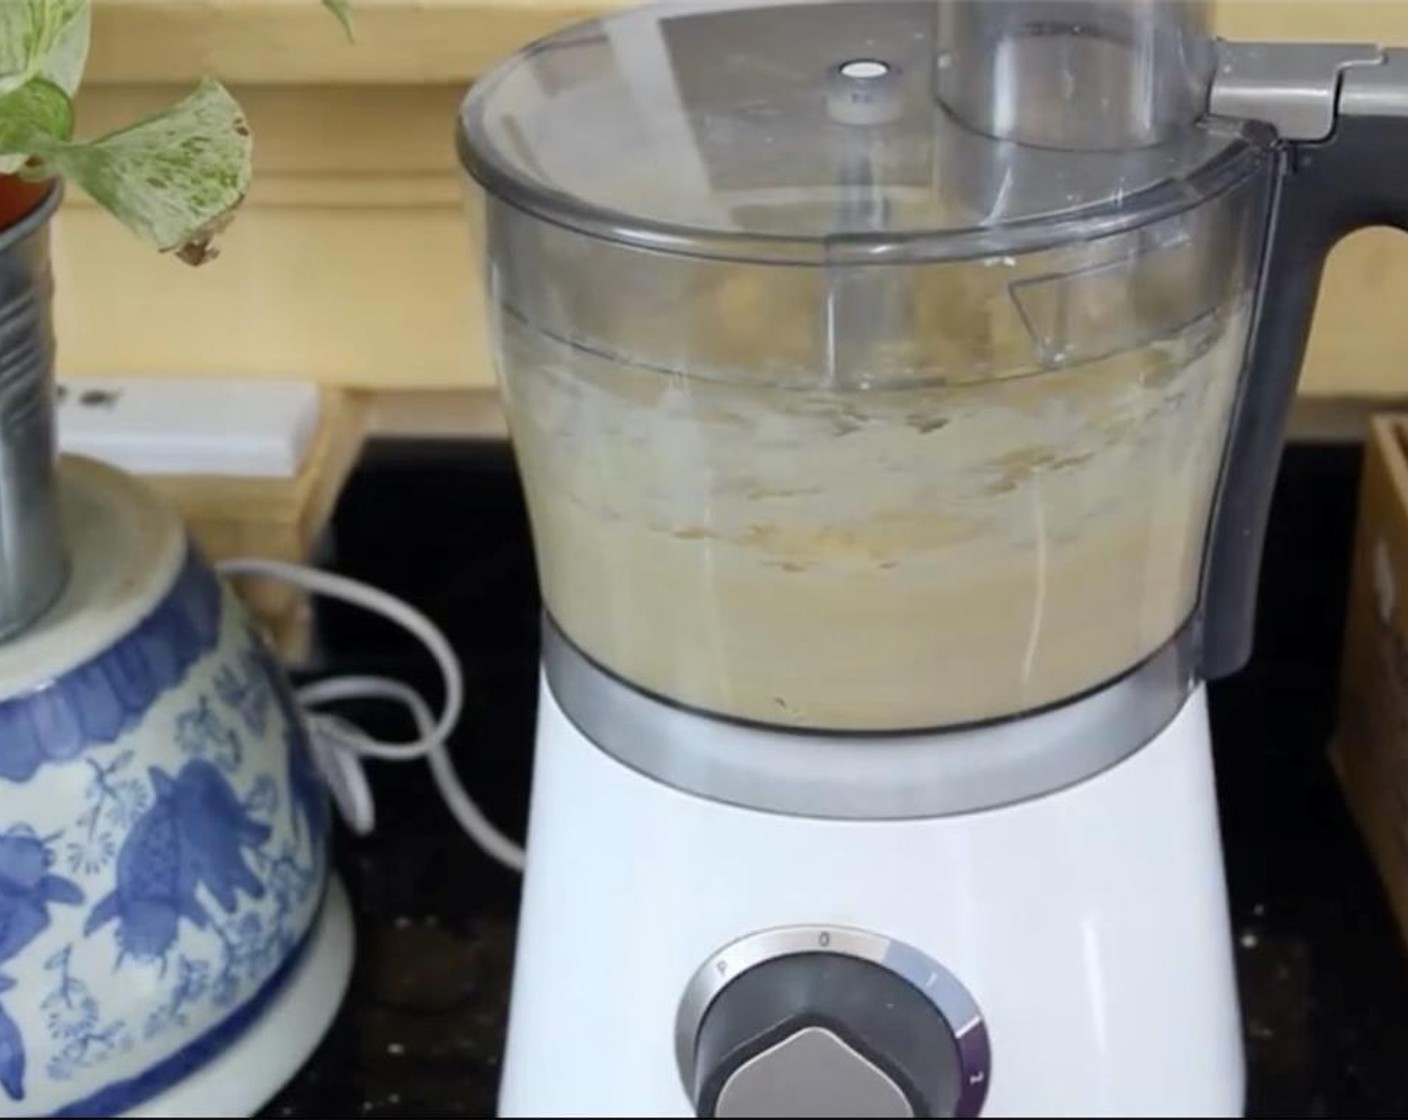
171 940
243 1079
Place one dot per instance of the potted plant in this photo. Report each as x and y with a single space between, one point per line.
174 178
164 877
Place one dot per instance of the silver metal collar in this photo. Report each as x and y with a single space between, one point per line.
870 777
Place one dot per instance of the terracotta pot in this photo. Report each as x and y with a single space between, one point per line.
18 197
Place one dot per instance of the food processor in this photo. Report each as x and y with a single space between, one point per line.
898 390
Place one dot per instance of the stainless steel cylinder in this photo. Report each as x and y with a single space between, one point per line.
1082 75
33 559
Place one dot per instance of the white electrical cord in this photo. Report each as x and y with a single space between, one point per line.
340 746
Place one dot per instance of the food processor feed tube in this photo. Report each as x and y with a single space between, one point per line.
897 402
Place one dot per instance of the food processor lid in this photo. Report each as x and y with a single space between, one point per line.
828 130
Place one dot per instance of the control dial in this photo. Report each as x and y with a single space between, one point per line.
829 1022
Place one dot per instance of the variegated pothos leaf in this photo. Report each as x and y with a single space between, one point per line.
42 41
37 112
174 179
342 9
43 38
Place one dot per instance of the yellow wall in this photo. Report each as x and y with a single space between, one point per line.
351 262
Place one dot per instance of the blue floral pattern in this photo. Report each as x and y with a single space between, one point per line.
184 875
115 803
72 1016
245 690
11 1051
191 838
27 890
201 733
106 697
309 806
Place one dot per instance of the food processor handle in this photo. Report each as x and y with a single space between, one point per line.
1352 178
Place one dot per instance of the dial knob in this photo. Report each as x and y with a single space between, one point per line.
825 1021
821 1034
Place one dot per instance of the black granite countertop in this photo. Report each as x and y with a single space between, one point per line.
1324 975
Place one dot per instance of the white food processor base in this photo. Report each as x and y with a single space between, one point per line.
1090 928
256 1067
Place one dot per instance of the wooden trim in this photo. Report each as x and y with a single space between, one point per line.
479 414
357 129
417 41
337 191
1339 419
296 42
437 414
352 262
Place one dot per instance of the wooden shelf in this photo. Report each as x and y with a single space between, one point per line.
278 42
352 262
